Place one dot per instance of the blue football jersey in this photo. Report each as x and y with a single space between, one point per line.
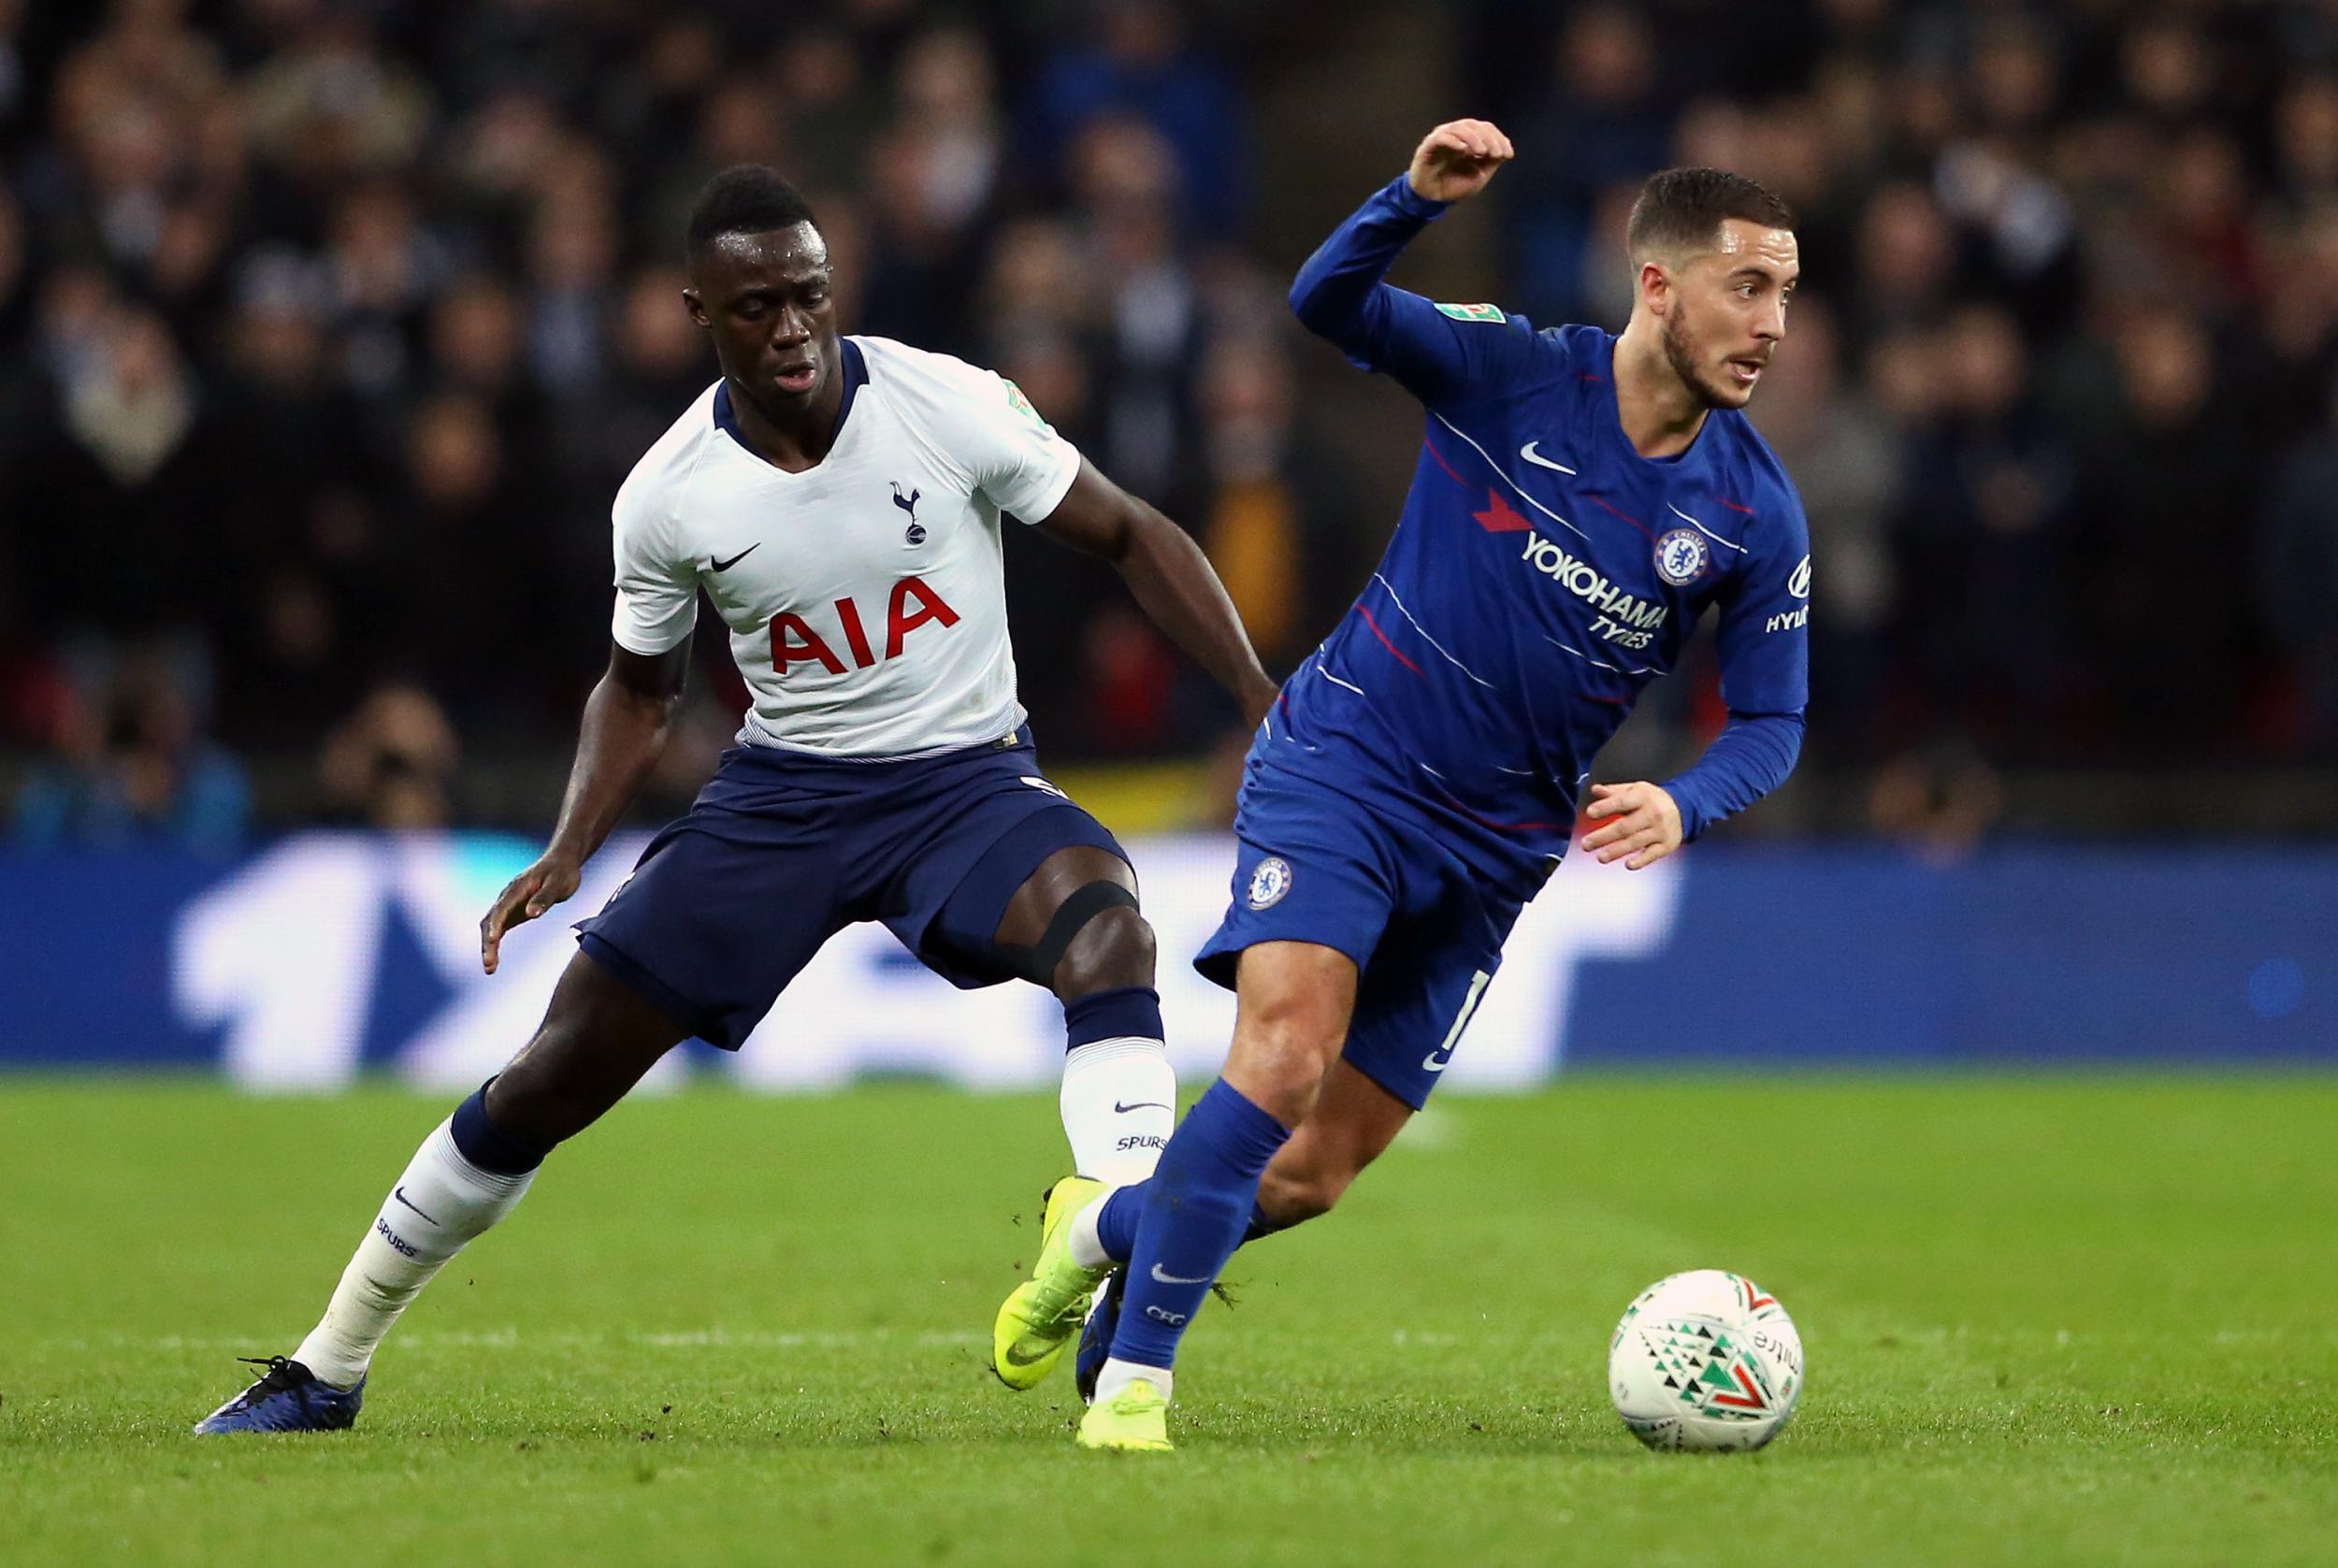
1542 575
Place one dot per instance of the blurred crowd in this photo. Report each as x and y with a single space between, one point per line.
2058 386
328 327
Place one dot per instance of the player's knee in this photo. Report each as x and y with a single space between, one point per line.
1295 1028
1278 1064
1113 951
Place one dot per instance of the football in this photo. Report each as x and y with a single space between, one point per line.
1705 1360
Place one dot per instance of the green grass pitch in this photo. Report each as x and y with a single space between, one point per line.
2049 1321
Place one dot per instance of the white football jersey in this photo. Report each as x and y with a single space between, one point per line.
867 596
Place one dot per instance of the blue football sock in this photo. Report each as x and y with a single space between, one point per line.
1116 1222
1194 1212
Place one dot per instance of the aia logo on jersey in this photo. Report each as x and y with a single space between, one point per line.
916 534
913 604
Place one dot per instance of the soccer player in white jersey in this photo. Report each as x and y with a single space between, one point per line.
841 500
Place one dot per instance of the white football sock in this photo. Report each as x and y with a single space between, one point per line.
1120 1104
1118 1375
1087 1251
441 1203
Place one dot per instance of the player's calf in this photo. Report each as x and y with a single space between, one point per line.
1072 926
1351 1124
1294 1198
597 1040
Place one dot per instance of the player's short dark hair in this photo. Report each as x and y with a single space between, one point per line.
1682 209
745 199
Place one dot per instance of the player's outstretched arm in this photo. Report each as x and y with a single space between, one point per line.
1173 581
627 720
1438 351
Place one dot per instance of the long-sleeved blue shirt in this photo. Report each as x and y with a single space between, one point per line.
1543 573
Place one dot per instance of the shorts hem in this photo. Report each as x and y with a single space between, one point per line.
1402 1095
1217 964
1003 866
679 1010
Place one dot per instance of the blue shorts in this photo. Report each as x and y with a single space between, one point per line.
782 851
1425 928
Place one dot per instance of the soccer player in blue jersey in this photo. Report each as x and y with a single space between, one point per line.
1582 497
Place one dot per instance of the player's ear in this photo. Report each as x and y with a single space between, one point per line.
696 307
1656 287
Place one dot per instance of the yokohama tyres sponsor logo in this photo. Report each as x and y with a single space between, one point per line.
1584 580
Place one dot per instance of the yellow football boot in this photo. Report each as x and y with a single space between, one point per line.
1042 1318
1135 1420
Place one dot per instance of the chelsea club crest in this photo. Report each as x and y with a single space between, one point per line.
1270 882
1681 556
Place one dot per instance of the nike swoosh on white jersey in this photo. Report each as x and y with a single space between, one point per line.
1527 452
1174 1279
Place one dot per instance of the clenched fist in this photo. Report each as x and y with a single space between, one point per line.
1454 161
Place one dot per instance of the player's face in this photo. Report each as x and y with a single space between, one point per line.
1727 311
768 300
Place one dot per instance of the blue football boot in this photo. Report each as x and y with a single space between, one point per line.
1095 1349
290 1398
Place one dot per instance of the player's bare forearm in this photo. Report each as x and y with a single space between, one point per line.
1172 580
627 720
1175 584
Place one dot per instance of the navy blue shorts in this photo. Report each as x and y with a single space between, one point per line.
1316 864
782 851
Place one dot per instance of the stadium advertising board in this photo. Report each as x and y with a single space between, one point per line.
325 955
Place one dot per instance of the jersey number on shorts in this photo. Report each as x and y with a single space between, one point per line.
913 604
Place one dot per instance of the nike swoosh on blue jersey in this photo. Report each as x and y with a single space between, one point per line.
1527 452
